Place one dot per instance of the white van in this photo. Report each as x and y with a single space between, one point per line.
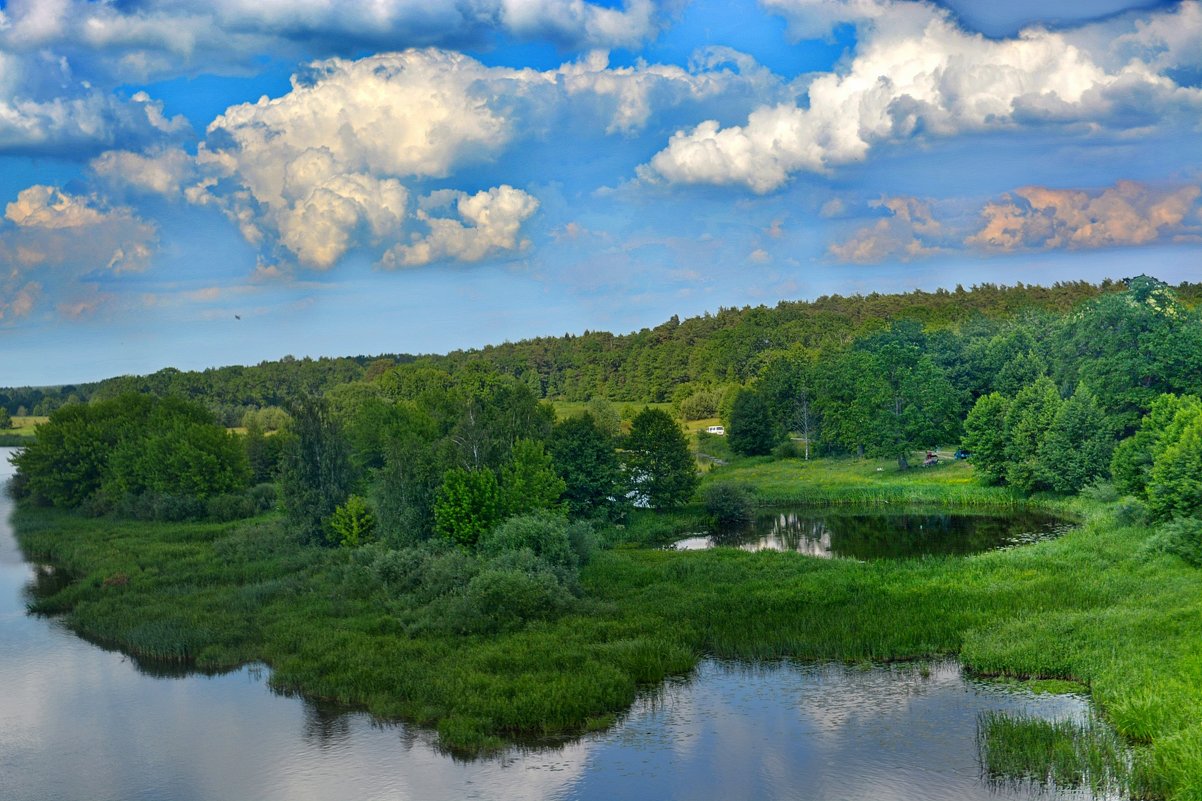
719 430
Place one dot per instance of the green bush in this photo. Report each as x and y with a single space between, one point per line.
728 504
353 523
510 592
1183 537
545 534
229 506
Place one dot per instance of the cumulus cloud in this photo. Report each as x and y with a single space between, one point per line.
56 245
162 172
909 232
1128 213
331 165
916 73
487 222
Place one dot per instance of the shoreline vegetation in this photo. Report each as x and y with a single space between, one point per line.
1096 607
470 542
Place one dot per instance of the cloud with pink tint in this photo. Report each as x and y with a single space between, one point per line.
909 232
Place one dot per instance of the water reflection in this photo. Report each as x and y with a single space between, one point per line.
79 722
880 536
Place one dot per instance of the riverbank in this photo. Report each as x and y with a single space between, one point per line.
1095 606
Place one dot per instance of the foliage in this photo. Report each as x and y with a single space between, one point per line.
985 437
1077 447
1133 458
315 472
6 422
528 481
1182 536
584 457
1175 485
728 504
1029 417
752 429
608 418
663 474
542 533
353 524
467 506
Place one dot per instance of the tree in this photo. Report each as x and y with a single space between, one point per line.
467 506
1175 485
529 482
6 422
353 523
606 414
1078 444
585 459
663 474
1028 420
315 472
985 437
752 429
1131 464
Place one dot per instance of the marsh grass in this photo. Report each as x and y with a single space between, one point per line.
1092 607
1017 749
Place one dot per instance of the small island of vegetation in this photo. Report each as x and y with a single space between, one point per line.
467 541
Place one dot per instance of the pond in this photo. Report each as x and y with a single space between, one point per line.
80 722
878 535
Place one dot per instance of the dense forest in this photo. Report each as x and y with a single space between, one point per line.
667 363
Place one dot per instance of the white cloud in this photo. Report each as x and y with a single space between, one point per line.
330 165
55 245
1128 213
163 172
488 221
915 73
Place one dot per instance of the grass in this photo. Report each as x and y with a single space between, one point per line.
22 431
1094 607
1025 750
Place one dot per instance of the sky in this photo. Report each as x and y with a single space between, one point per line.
193 184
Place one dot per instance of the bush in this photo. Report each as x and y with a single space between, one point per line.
582 538
264 497
510 592
543 533
229 506
786 450
1183 537
728 504
1131 512
1101 491
160 508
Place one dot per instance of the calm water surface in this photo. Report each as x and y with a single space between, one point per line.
79 722
880 536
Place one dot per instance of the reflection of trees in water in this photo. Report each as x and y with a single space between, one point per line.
887 536
326 725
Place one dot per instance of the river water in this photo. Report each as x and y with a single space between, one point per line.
839 533
79 722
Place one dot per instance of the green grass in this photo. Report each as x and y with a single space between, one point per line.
22 431
1025 750
1094 607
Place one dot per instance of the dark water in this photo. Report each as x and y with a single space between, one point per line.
880 536
78 722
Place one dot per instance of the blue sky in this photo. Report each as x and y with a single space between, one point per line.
191 185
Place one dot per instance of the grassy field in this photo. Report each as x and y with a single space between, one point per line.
21 432
1095 607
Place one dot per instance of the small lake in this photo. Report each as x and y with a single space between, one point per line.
838 533
79 722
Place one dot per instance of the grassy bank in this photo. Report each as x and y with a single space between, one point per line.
1092 607
22 431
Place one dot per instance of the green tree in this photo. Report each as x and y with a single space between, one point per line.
353 523
529 482
6 422
1028 420
467 506
662 470
1175 486
316 475
585 459
1078 444
1131 464
985 437
608 418
414 461
752 428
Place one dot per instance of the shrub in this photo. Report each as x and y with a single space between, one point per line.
1131 512
543 533
582 537
786 450
1183 537
229 506
510 592
728 504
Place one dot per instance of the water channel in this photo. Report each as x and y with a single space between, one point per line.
80 722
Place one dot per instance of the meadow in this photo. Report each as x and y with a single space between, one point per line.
1099 607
